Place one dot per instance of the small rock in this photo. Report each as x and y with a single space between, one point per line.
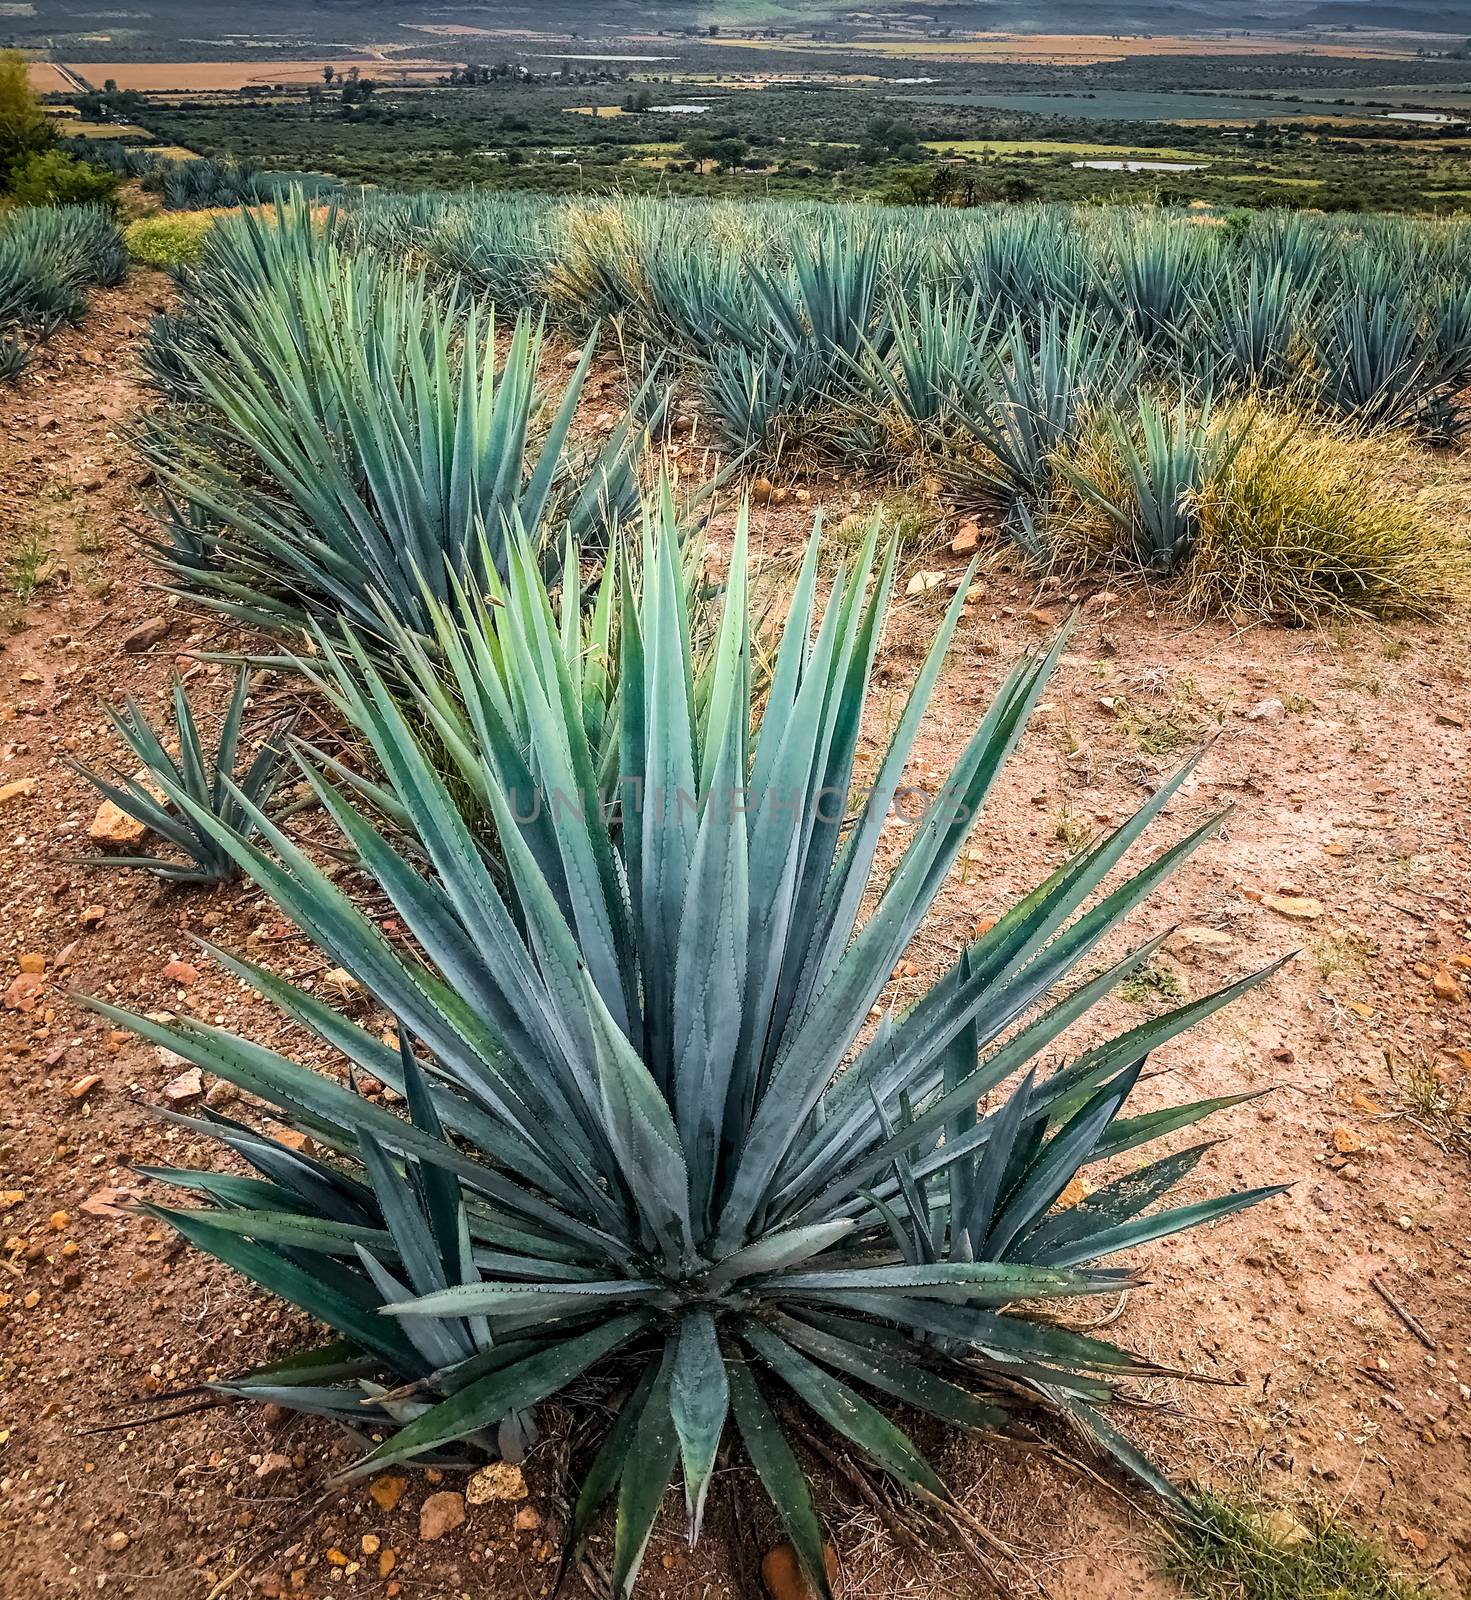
93 916
1266 711
221 1092
1282 1529
184 973
117 1542
24 992
112 825
84 1086
499 1481
342 982
440 1514
1103 600
371 1544
1040 617
1346 1142
784 1578
33 961
273 1465
16 790
1445 985
387 1491
145 635
1297 907
966 541
528 1519
1193 940
923 582
187 1086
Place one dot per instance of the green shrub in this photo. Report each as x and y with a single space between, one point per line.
54 178
24 126
649 1132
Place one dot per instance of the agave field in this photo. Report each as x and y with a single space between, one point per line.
49 257
605 826
1117 390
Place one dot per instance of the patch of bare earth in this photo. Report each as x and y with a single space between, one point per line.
1345 758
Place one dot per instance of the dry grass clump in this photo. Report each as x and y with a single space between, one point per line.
1302 526
602 261
1296 524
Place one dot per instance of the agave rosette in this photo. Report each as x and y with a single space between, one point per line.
651 1127
212 783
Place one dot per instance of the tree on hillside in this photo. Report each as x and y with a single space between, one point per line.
25 129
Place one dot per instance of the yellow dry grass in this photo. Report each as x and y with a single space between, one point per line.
76 126
1303 524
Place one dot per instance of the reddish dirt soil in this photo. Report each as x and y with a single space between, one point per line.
1350 796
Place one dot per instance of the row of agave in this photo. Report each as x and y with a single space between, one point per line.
196 183
652 1136
785 309
49 257
347 439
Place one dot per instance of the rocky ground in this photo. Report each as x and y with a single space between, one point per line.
1337 1315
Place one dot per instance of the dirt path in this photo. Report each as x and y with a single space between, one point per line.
1347 758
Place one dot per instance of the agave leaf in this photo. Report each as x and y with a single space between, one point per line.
699 1397
780 1475
356 1319
1128 1235
608 1464
884 1364
490 1399
845 1410
645 1477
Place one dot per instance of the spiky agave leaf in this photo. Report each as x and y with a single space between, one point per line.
1032 400
167 790
641 1039
366 439
1166 458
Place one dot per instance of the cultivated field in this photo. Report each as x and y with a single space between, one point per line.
1070 49
176 77
45 79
